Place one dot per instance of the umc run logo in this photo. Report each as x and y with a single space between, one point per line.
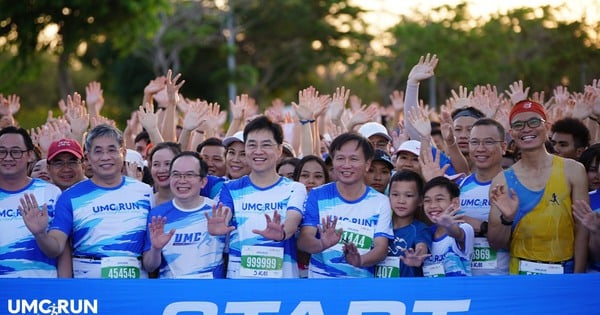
52 307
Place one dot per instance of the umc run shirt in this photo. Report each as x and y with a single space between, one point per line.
20 256
251 255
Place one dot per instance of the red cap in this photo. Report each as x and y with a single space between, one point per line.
65 145
527 106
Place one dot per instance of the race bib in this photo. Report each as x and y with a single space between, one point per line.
434 270
262 262
484 257
388 268
120 268
360 235
535 268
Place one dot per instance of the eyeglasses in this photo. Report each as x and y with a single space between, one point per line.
485 142
184 176
380 144
62 164
14 153
531 123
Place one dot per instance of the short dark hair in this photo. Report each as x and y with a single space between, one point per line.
467 112
590 155
142 136
409 176
20 131
210 142
574 127
264 123
362 143
491 122
443 182
307 159
203 171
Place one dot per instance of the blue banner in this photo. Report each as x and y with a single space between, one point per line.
544 294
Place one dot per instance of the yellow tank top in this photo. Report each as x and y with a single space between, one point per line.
547 232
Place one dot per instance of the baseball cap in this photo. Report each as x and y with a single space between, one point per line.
65 145
373 128
412 146
527 106
287 148
382 156
134 156
238 136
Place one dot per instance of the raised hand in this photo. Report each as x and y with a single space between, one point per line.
274 229
584 105
94 98
430 166
584 214
517 92
158 237
10 105
218 222
448 217
399 135
506 202
462 99
156 85
447 127
35 220
397 99
412 259
148 118
329 235
195 116
418 118
424 69
338 103
173 88
561 96
238 107
352 255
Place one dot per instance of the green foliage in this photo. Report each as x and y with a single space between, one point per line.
527 44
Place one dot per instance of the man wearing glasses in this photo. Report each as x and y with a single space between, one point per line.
531 212
186 250
20 256
105 216
486 148
65 163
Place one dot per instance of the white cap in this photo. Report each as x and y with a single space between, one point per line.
373 128
412 146
134 157
238 136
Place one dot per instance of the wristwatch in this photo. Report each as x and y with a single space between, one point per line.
504 221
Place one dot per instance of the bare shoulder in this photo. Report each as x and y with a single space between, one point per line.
573 168
499 179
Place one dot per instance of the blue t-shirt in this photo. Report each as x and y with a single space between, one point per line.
408 237
20 255
192 252
105 222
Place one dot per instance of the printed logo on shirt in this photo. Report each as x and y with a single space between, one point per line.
360 221
484 202
554 199
122 206
53 307
267 206
187 238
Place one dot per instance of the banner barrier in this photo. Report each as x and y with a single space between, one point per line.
543 294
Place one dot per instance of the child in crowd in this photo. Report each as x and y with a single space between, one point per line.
412 238
453 239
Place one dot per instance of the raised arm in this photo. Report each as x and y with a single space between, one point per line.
423 70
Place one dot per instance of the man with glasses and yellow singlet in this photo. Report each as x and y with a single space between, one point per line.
20 256
531 212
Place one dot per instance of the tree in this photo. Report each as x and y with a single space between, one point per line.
64 28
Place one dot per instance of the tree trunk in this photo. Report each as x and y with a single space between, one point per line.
65 83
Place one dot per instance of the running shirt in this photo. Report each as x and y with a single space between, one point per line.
192 252
543 228
474 202
251 255
20 256
447 259
404 238
104 222
362 220
595 205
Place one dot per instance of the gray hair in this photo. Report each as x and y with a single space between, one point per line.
103 130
